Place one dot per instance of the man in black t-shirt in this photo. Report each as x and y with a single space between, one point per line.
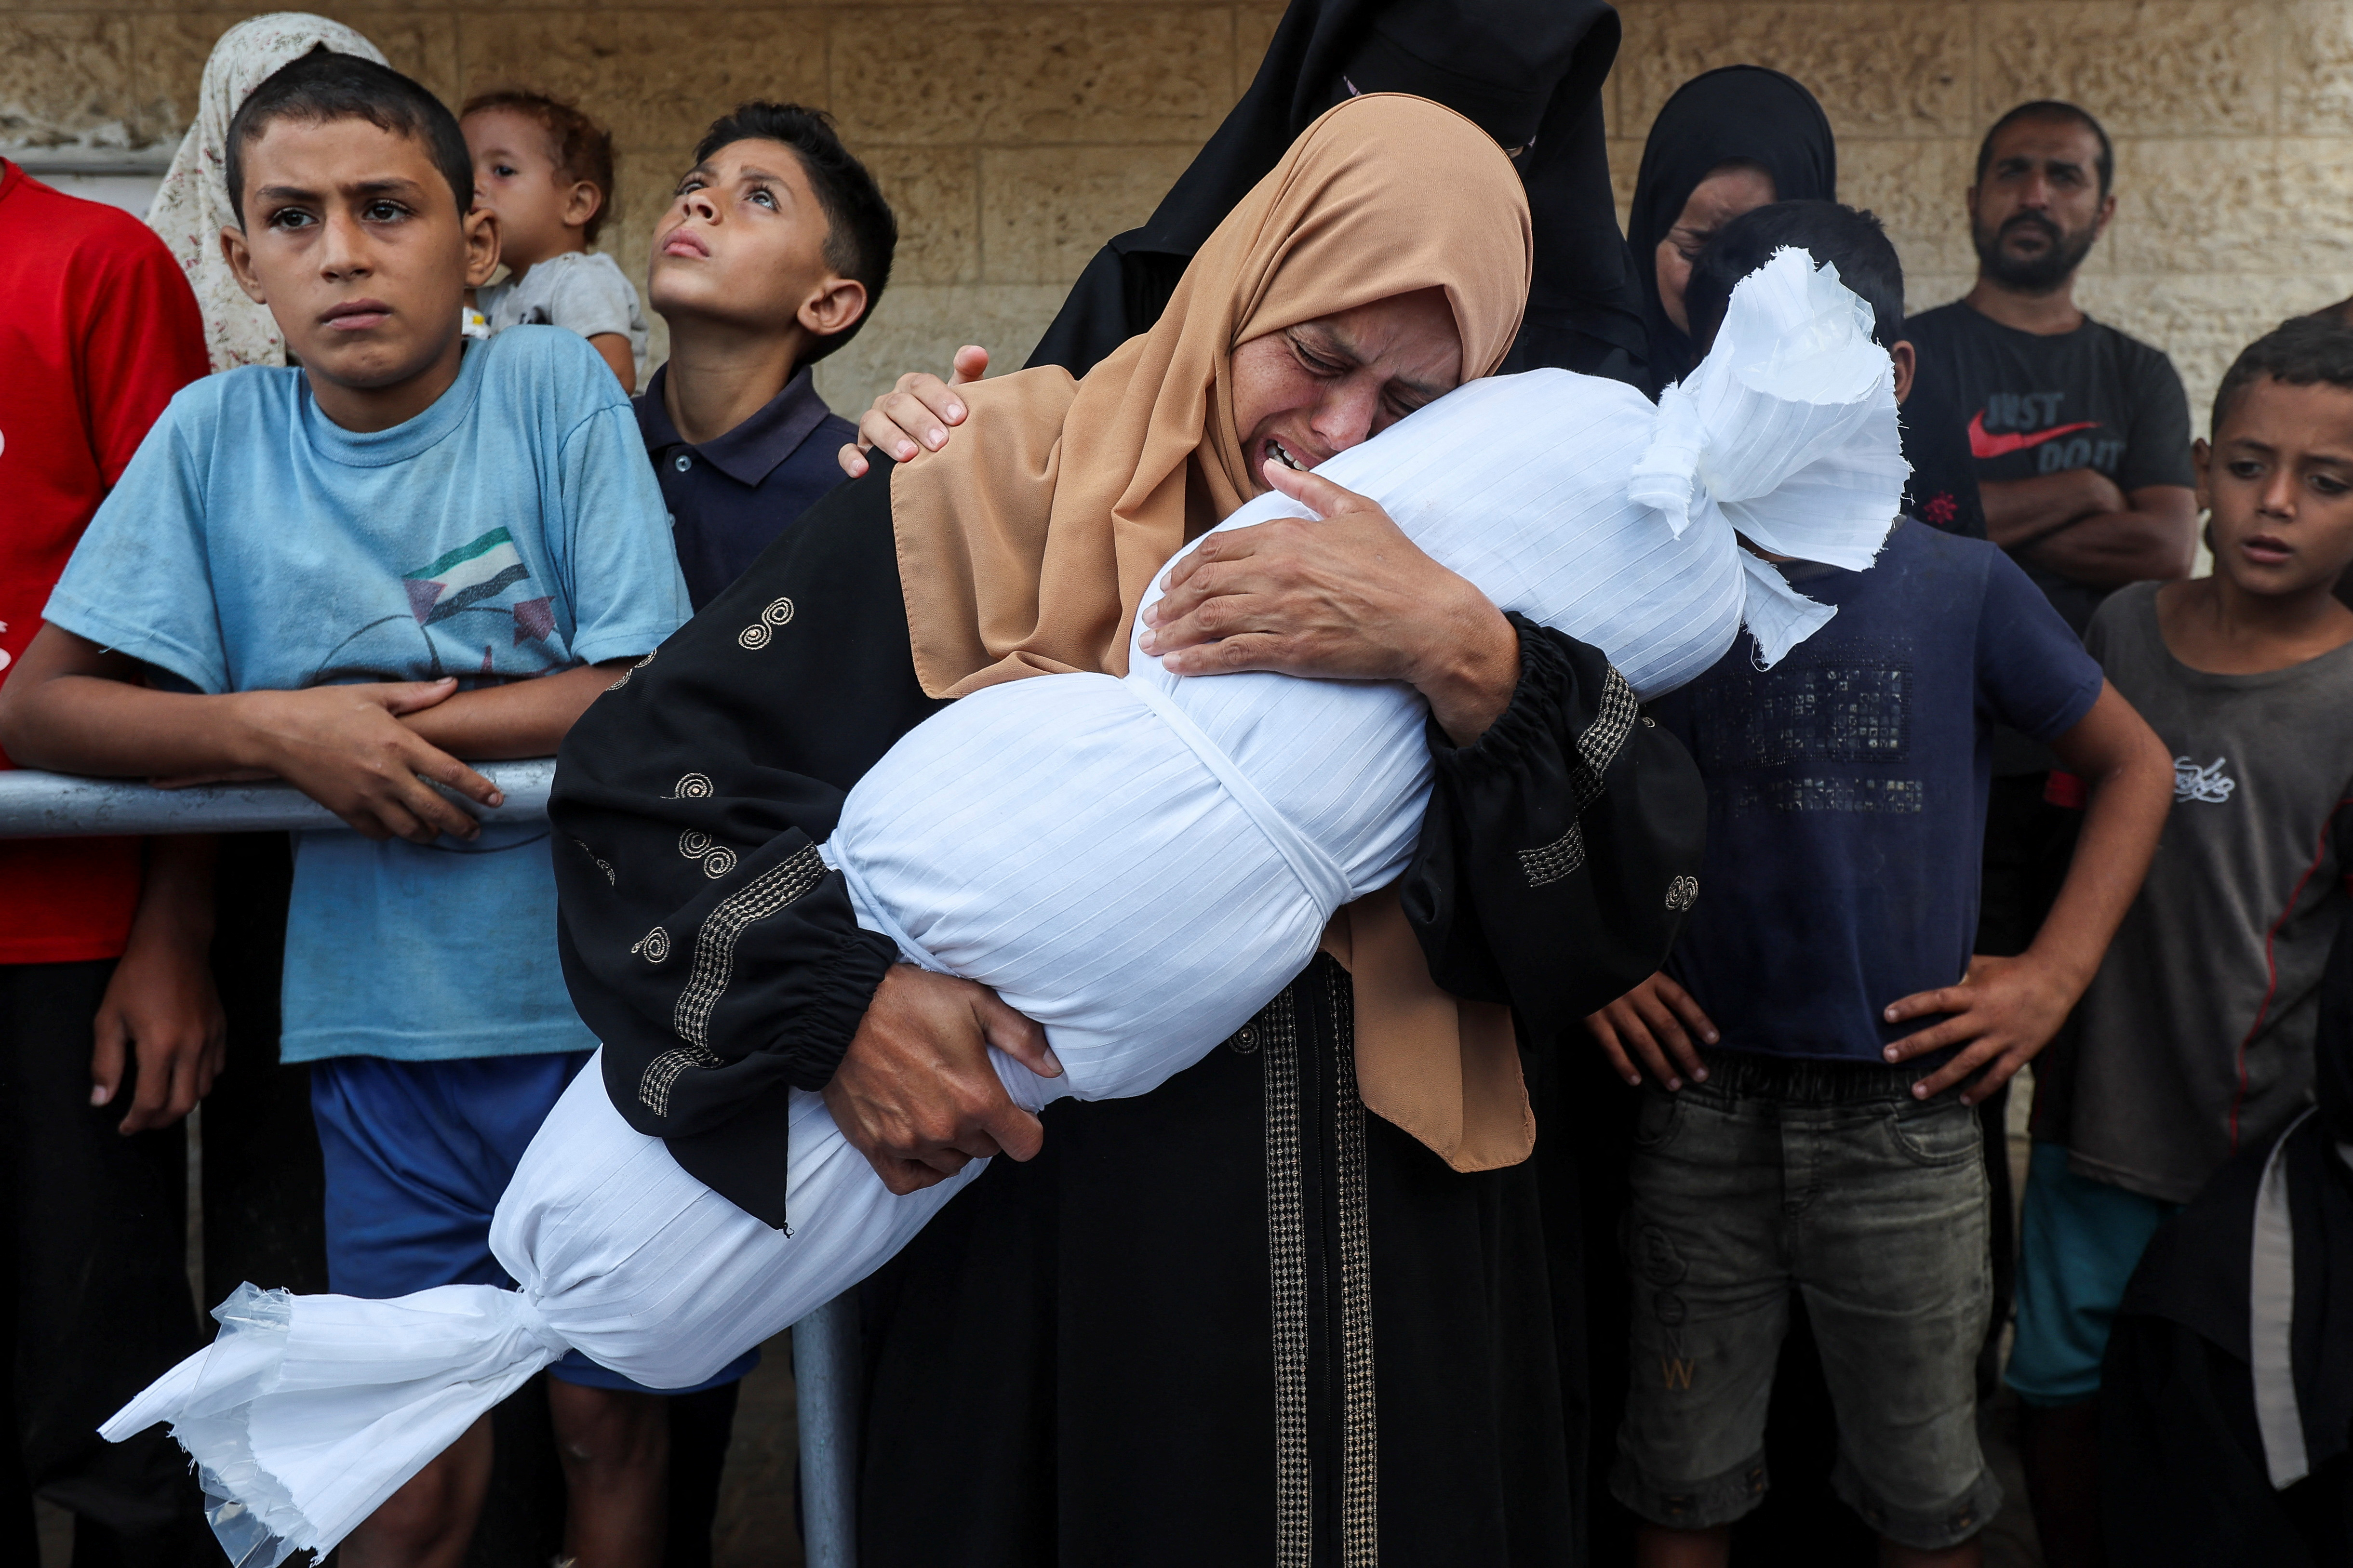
2080 438
2081 434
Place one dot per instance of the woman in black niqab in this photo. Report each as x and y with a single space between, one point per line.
1737 117
2226 1399
1529 72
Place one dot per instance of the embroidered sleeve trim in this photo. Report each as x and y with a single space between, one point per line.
772 891
632 670
1562 857
663 1072
1596 748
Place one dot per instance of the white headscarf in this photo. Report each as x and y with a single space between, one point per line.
191 206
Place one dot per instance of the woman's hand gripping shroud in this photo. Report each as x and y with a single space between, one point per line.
916 1094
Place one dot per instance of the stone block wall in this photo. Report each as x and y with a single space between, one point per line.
1014 137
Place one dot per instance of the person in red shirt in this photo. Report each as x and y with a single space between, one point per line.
109 1029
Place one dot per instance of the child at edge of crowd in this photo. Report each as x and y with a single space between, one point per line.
2195 1040
774 250
544 170
111 1028
264 595
1824 1140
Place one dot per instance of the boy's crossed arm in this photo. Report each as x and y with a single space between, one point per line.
364 751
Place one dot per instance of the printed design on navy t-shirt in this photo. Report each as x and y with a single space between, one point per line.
2013 422
1772 746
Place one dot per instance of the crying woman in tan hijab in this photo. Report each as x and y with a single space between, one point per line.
1383 262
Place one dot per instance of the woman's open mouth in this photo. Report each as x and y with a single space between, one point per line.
1276 450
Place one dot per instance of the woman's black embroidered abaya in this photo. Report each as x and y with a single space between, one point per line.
1237 1320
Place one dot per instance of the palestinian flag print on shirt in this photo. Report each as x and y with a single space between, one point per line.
473 575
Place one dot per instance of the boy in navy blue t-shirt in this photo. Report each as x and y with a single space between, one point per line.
1846 799
349 576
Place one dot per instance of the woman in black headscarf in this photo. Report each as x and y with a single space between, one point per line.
1728 142
1529 72
2226 1400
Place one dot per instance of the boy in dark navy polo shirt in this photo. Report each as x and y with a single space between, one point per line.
1826 1142
772 255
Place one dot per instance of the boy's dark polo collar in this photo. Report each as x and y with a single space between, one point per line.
749 453
730 498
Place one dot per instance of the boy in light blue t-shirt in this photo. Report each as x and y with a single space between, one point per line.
349 576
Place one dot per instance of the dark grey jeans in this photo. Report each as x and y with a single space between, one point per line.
1828 1179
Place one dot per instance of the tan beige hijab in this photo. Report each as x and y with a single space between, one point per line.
1009 570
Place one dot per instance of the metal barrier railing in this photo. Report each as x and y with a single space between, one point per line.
827 1373
58 805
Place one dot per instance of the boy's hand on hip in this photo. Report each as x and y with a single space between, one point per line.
345 747
161 1005
916 1094
2003 1012
1655 1021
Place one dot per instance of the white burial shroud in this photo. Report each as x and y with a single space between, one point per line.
1044 836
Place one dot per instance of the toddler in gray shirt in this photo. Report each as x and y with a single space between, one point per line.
546 170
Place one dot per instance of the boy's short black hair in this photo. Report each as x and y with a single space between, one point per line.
2302 350
2051 109
1851 241
322 86
861 232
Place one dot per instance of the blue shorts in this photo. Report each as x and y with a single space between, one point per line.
2077 1247
416 1155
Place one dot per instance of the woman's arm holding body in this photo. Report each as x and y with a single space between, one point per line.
1347 596
1562 849
711 949
1562 829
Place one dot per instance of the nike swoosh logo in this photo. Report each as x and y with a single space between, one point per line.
1984 443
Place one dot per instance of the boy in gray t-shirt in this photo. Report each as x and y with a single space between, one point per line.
2195 1036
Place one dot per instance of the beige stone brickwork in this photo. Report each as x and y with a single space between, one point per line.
1013 138
2233 119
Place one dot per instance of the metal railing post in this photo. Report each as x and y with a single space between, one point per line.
827 1370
